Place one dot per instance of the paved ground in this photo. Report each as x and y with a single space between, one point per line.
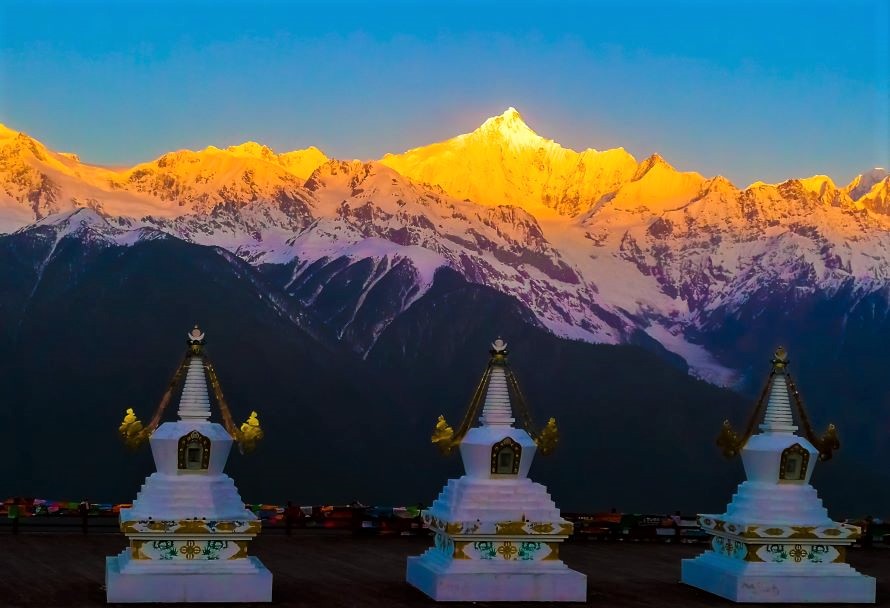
328 568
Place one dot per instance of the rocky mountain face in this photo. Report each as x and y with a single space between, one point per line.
598 246
92 321
36 182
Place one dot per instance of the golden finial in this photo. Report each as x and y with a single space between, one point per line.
251 433
131 430
780 358
548 437
498 350
196 340
443 436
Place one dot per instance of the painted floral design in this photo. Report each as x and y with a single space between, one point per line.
507 550
778 552
191 526
797 553
444 543
818 553
191 549
166 548
213 547
729 547
485 549
527 550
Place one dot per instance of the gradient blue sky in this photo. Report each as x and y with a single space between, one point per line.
751 90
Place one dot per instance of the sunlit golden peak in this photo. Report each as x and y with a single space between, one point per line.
817 183
511 113
6 132
511 128
653 161
309 150
719 183
509 117
720 179
251 148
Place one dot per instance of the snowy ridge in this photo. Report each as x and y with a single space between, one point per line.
601 248
505 162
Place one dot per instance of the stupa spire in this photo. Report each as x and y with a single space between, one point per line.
778 417
776 406
194 404
495 401
197 377
497 409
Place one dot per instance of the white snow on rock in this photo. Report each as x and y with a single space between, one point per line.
595 244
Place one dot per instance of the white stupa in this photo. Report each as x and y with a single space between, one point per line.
776 543
188 527
497 531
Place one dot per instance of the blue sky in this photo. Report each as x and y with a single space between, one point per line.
752 90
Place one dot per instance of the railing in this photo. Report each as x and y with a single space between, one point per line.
59 524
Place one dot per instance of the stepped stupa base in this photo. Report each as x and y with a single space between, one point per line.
180 581
449 581
746 582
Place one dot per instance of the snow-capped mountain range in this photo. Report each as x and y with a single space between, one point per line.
600 247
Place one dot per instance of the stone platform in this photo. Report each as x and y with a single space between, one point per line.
128 581
778 584
334 569
496 581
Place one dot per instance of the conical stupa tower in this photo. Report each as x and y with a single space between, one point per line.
497 533
776 542
188 528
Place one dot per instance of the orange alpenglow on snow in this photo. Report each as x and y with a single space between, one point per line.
658 187
165 187
590 241
505 162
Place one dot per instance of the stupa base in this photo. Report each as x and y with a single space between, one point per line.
746 582
496 582
183 581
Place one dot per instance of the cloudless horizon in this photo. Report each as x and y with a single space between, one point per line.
750 90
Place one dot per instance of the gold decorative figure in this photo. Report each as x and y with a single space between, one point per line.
443 436
828 443
548 437
250 433
131 430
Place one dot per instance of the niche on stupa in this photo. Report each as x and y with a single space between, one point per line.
793 466
194 452
505 457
